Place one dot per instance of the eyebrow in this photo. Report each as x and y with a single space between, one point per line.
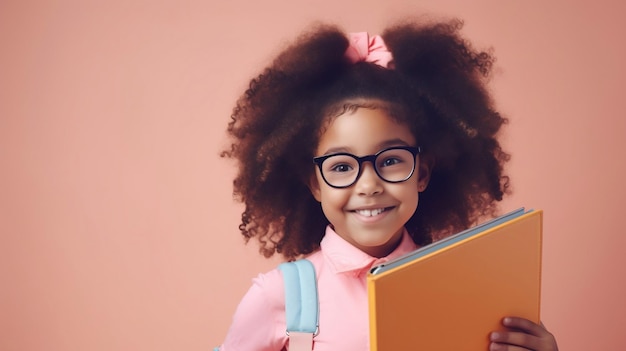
383 145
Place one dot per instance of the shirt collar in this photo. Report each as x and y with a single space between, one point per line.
344 257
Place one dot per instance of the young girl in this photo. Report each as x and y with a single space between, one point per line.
337 142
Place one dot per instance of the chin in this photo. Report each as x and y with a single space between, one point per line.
371 245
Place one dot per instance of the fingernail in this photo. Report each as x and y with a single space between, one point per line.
494 336
506 320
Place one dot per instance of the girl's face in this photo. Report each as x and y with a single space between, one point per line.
371 213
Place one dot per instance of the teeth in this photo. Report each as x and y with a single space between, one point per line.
370 213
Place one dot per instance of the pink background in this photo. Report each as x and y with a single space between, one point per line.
117 225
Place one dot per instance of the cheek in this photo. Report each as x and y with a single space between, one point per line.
333 204
410 194
333 198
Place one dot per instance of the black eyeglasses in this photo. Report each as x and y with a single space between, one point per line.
393 165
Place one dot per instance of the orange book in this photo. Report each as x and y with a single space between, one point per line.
449 295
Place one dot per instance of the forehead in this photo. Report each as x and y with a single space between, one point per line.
363 130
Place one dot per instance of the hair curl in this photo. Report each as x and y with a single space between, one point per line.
436 86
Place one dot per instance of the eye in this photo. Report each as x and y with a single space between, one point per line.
390 161
340 163
341 167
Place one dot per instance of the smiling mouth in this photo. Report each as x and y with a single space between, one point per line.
371 212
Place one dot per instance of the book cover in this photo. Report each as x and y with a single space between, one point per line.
449 295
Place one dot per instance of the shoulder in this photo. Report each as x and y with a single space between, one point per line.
270 287
319 262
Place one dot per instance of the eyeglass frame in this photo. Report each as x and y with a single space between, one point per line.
415 150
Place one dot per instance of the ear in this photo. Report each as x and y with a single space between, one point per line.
314 186
424 170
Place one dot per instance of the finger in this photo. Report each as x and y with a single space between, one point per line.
504 347
524 325
523 340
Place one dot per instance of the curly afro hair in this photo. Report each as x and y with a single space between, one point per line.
437 87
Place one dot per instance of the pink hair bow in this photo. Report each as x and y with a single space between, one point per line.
369 49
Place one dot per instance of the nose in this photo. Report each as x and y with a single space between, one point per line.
368 183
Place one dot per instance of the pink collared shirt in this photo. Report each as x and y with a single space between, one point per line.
259 322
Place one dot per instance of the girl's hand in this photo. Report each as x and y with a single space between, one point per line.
522 335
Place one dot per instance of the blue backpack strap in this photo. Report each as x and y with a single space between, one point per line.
301 303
